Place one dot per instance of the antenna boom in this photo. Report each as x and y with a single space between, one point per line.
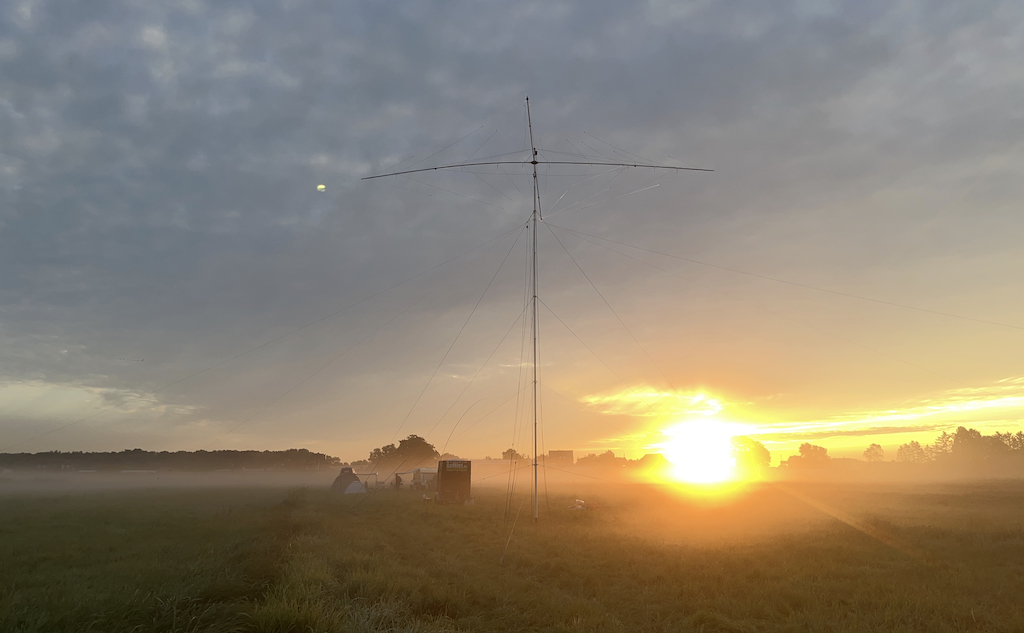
533 162
413 171
569 162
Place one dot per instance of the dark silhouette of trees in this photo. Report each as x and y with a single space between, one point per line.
811 456
813 453
874 453
750 454
970 449
941 449
911 453
511 454
138 459
606 459
412 452
382 454
1013 441
970 446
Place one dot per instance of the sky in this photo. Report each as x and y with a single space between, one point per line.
173 280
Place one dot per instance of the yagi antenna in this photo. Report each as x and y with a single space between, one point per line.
534 162
534 311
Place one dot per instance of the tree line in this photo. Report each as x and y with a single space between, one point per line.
138 459
963 448
414 451
748 453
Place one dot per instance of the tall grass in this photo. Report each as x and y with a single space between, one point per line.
810 558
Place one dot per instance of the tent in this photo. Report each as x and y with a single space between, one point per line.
347 483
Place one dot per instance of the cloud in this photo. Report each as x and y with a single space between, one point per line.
32 407
650 403
67 402
1005 396
995 405
811 434
158 165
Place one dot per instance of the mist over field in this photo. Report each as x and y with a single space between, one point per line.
927 542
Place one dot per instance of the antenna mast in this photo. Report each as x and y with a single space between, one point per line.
533 283
534 218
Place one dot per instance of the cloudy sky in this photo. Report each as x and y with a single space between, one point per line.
172 278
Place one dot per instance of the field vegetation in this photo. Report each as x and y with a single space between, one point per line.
773 557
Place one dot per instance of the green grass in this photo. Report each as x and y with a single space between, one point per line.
774 558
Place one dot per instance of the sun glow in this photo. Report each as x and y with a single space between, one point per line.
701 452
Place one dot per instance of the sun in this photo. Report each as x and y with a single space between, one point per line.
701 451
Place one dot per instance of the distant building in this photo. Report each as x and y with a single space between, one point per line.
559 458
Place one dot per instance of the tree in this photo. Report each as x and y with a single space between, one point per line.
874 453
941 449
605 459
1013 441
416 449
811 456
511 454
750 454
911 453
970 446
814 454
383 454
411 452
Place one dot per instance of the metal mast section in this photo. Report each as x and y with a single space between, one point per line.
533 283
534 218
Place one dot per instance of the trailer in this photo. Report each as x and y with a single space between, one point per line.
454 478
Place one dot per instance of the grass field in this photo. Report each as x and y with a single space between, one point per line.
777 557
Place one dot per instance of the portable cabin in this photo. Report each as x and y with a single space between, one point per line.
559 458
453 481
369 480
416 479
424 478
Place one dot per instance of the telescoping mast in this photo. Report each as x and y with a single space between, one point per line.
536 216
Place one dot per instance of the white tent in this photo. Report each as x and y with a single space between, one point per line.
347 483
